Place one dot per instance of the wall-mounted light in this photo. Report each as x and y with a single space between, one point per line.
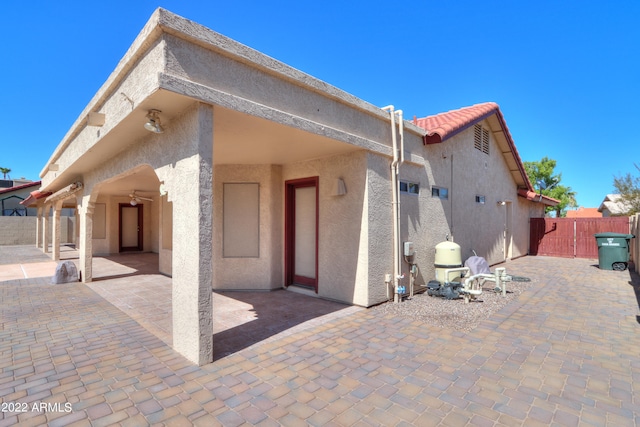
341 188
153 122
501 203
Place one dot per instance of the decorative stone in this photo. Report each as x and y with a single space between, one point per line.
66 272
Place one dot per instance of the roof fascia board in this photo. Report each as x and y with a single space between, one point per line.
514 150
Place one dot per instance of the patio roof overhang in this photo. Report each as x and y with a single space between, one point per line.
65 193
34 198
246 130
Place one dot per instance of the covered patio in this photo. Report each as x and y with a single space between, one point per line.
131 283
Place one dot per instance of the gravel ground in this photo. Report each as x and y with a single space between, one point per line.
455 314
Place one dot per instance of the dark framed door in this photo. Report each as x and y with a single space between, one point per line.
301 233
130 220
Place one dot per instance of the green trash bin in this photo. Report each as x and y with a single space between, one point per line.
613 250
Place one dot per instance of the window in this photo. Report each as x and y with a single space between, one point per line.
481 139
439 192
409 187
480 199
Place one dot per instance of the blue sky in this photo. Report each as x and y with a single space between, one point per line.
566 74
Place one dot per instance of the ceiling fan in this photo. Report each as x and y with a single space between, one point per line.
135 199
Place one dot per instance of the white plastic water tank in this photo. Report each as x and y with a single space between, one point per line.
448 255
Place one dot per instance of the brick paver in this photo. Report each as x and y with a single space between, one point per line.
564 353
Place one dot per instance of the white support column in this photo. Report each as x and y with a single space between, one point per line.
85 213
45 229
39 228
55 231
192 196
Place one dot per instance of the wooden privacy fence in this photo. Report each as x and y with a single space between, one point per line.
572 237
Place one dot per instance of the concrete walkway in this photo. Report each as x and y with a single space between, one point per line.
565 353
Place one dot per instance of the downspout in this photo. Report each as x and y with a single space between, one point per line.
398 244
395 200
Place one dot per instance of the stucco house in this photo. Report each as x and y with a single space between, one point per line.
14 192
243 173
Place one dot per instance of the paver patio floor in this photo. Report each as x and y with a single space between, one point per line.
564 353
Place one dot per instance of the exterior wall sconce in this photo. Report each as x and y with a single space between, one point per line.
153 122
501 203
341 188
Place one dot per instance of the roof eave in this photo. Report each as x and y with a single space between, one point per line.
537 197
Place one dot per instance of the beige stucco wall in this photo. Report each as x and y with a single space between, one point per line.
250 273
281 93
21 230
110 244
457 165
165 236
340 253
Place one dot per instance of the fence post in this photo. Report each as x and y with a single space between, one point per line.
634 228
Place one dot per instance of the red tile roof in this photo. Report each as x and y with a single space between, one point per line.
537 197
443 126
20 187
34 197
584 213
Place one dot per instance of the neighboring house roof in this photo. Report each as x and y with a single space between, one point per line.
33 195
584 213
443 126
20 187
614 204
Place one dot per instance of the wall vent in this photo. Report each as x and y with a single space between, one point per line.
481 139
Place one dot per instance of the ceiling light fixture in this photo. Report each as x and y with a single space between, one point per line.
153 123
